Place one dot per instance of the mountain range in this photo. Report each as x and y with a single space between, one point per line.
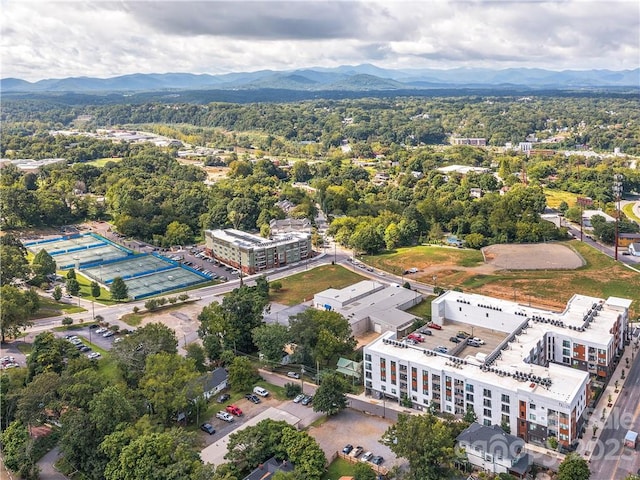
364 77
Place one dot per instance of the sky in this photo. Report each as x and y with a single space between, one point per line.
51 39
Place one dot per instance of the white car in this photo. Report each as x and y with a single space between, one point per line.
93 355
101 330
227 417
260 391
479 340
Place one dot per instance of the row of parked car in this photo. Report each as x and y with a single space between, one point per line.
303 399
77 342
355 452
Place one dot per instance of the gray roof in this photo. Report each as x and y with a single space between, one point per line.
268 468
492 440
212 379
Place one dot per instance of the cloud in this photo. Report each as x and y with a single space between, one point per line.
44 39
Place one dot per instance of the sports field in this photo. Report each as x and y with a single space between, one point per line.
78 250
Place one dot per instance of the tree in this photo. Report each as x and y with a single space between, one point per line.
39 395
15 445
13 260
166 384
16 308
178 234
276 285
71 274
270 340
573 467
470 415
43 264
425 441
362 471
67 321
131 353
330 396
73 286
95 289
57 293
196 353
119 289
242 374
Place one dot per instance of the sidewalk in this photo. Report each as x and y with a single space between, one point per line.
604 408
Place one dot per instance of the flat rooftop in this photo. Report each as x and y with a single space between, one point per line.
249 240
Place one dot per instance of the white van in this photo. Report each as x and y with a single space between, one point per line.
260 391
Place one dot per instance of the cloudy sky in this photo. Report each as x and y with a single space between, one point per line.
50 39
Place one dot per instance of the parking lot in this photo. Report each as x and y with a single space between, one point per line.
436 338
89 335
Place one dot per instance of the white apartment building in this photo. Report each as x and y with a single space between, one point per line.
535 377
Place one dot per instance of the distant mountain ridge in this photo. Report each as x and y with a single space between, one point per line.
364 77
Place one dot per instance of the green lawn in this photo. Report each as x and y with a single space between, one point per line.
302 286
422 257
50 308
338 468
628 211
423 309
101 162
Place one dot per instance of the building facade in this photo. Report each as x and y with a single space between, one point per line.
536 378
252 253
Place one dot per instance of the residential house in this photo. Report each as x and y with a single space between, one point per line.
267 469
214 382
491 449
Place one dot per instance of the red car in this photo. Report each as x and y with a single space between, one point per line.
234 410
417 338
435 326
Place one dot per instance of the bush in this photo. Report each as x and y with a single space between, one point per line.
136 309
162 301
292 389
182 297
67 321
151 304
172 300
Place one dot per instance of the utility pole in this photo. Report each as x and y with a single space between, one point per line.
617 193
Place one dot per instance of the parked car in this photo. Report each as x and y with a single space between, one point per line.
261 391
108 334
417 338
299 398
435 326
462 334
94 325
454 339
223 398
307 400
234 410
355 453
252 398
479 340
377 460
471 342
207 427
366 457
347 449
293 375
441 349
101 330
425 331
227 417
93 355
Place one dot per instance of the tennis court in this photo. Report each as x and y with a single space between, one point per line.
78 250
145 274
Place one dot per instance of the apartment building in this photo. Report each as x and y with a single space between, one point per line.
535 377
252 253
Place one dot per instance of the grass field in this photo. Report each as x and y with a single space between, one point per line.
101 162
302 286
628 211
556 197
455 268
338 468
51 308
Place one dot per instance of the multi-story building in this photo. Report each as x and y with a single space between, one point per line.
252 254
535 377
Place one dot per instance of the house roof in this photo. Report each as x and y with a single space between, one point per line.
349 367
212 379
492 440
268 468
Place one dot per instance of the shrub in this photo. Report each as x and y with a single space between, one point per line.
67 321
183 297
136 309
172 300
292 389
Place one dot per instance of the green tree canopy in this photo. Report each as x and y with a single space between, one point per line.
43 264
242 374
270 340
16 309
573 467
330 396
119 289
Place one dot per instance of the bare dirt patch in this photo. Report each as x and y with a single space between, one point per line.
539 256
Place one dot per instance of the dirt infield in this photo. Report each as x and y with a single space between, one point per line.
537 256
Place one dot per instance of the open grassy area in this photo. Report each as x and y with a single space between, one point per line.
628 211
50 308
338 468
302 286
422 257
556 197
101 162
85 290
423 309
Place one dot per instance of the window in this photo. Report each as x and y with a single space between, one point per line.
448 408
532 417
505 419
486 393
469 397
565 360
487 412
368 374
469 388
393 390
532 406
367 366
486 422
367 357
565 352
505 398
566 343
505 408
487 403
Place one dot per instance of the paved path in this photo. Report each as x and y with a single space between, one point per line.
47 471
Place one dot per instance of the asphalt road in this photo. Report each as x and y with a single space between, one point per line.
611 460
